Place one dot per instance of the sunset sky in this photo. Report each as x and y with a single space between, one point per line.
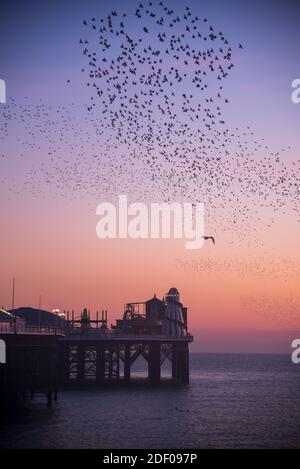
242 292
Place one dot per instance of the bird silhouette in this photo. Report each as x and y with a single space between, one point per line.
209 237
154 112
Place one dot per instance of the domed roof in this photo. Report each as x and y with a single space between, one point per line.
38 317
173 295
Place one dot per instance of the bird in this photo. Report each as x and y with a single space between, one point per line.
209 237
155 111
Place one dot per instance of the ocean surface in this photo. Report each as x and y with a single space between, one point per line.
233 401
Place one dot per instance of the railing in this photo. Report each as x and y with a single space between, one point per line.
114 335
38 330
151 336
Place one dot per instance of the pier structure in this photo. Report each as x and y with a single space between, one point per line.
109 358
31 363
155 330
44 350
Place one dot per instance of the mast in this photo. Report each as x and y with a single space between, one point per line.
13 295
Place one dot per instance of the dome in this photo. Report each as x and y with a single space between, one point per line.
173 295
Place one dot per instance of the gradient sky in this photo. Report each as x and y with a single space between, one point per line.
245 295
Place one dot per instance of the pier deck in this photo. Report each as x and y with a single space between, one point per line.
99 357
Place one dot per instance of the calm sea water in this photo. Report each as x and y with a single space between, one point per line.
233 401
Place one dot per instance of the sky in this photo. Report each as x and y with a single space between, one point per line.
243 292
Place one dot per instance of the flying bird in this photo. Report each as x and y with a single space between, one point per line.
209 237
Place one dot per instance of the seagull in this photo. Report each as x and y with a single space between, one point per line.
209 237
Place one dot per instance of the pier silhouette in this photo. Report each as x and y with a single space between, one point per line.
48 350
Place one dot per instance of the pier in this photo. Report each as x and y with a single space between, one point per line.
155 330
104 358
31 366
47 350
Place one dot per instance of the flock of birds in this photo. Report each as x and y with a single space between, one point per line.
154 127
157 88
274 267
282 309
153 81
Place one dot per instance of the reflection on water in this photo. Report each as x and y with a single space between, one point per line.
232 401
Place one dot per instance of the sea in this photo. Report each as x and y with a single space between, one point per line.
232 401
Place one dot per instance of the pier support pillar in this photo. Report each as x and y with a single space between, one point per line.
100 363
174 364
64 363
110 363
118 363
154 363
180 363
127 363
81 362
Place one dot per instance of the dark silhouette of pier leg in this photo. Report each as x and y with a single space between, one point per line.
127 363
185 374
180 363
81 362
110 366
118 363
64 362
154 363
100 364
174 364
